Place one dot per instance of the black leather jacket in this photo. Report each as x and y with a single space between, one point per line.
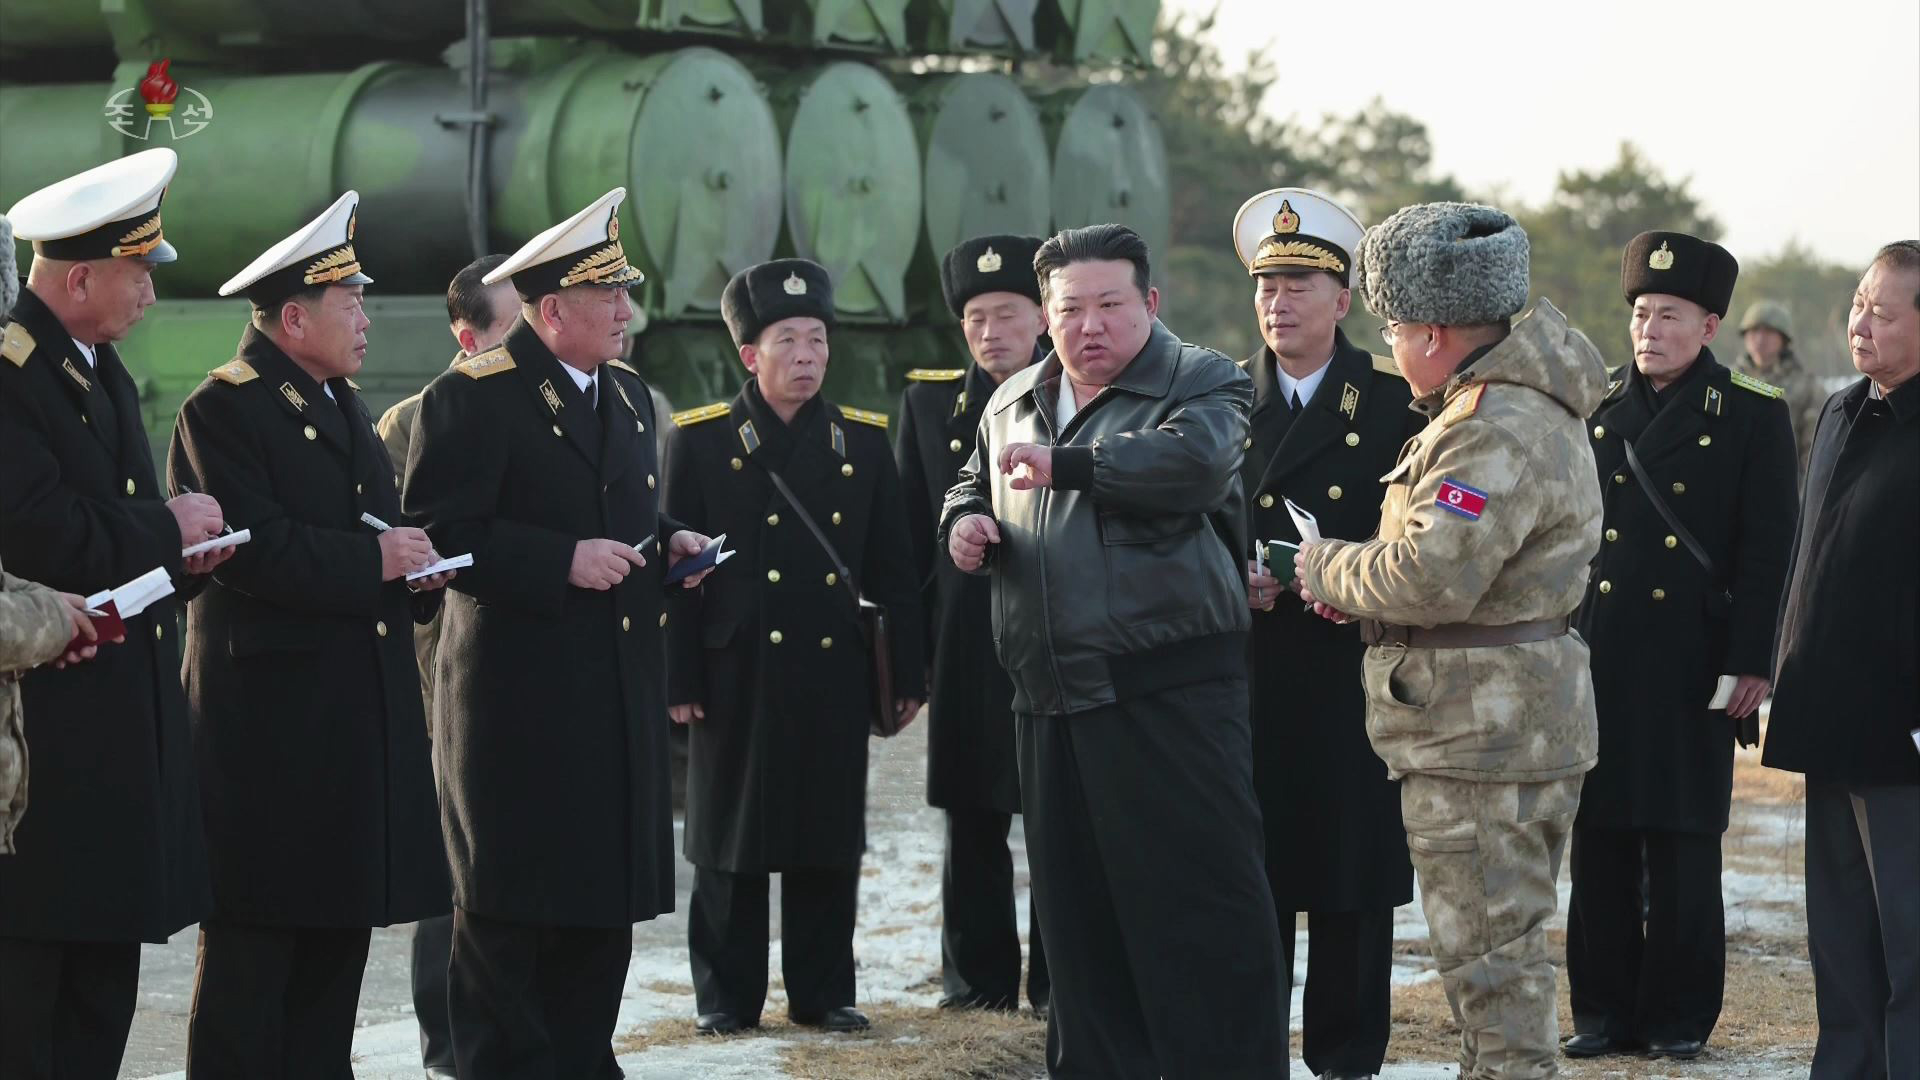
1125 578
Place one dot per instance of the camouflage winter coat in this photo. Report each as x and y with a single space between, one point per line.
1490 518
33 630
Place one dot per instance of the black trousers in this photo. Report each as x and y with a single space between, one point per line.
432 950
1146 850
1863 929
65 1008
1661 978
534 1002
727 937
1347 1009
272 1002
979 931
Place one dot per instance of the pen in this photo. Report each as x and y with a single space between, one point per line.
225 529
375 522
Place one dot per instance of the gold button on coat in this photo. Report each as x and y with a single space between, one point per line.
1619 478
737 464
1334 492
776 637
1606 586
1599 432
1613 534
651 482
359 489
557 431
1266 502
954 446
773 519
380 628
1673 541
847 469
1659 594
626 623
129 485
1353 438
1679 488
826 643
1247 445
663 618
833 578
1706 440
159 631
310 433
836 517
773 575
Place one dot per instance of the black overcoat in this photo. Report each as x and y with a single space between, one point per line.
770 645
111 848
1720 452
1332 817
548 698
315 774
970 753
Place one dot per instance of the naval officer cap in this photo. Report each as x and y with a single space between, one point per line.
984 264
111 211
762 295
582 250
1675 264
318 254
1293 230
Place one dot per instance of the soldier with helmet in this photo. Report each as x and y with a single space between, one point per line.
1766 336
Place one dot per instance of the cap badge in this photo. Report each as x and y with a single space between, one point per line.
1662 259
1286 221
795 285
352 220
613 224
988 262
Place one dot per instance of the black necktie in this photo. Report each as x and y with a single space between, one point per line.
593 399
1295 404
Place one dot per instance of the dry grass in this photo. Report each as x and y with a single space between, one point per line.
905 1043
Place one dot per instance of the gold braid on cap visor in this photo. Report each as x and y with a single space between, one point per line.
608 265
141 240
1276 252
339 263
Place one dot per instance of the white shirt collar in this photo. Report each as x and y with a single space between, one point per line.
1306 386
581 379
86 350
327 389
1063 412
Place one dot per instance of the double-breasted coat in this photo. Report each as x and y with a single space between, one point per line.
1720 451
1332 817
315 774
113 850
549 704
771 645
970 755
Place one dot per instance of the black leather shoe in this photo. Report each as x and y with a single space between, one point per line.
719 1023
843 1018
440 1072
1590 1044
1681 1049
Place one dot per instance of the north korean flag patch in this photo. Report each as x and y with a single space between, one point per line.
1461 499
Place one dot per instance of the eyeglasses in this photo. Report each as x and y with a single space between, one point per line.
1389 332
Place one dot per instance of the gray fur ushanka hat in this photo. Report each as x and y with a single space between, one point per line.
1445 263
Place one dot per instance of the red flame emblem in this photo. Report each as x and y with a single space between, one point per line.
157 89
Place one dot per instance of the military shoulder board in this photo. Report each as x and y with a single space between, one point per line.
623 366
1464 405
236 373
921 374
689 417
16 344
1385 366
1764 389
491 362
877 419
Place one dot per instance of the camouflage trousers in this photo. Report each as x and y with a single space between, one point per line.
1488 855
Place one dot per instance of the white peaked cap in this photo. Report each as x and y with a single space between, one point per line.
109 211
1293 229
318 253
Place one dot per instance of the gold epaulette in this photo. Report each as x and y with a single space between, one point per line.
237 372
17 344
480 365
623 366
1385 366
354 385
865 416
1765 389
1463 406
689 417
927 374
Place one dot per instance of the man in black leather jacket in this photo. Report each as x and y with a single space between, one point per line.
1104 500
